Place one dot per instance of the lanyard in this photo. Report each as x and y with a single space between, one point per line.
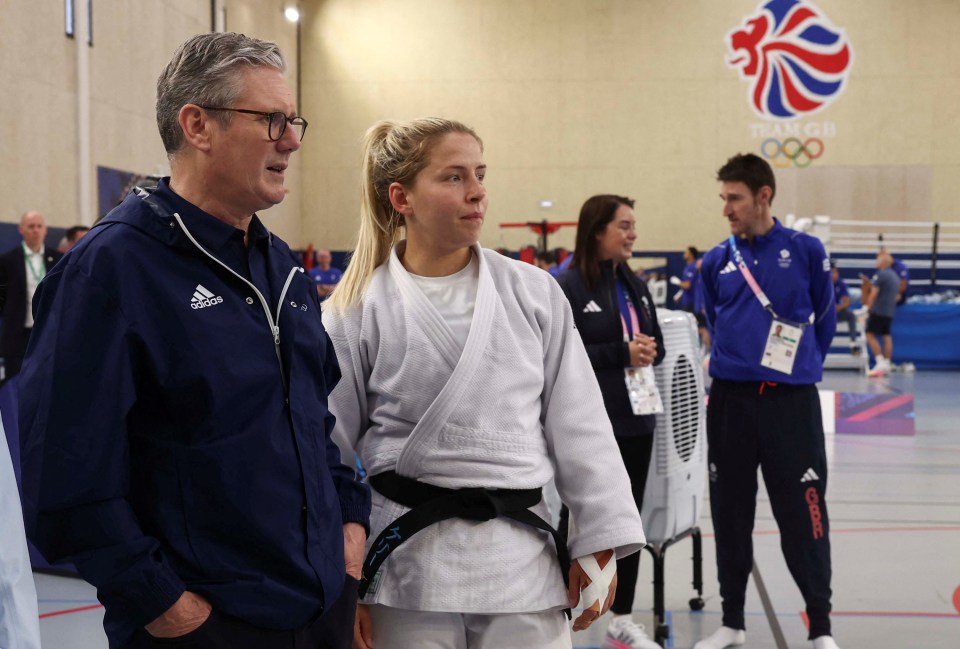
752 283
624 299
37 274
747 275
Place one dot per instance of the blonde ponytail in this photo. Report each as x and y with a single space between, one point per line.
393 152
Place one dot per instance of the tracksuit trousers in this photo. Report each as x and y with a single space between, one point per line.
777 427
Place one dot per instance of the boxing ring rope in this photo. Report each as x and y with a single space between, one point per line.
932 247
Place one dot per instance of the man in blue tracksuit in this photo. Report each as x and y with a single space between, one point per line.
769 297
174 397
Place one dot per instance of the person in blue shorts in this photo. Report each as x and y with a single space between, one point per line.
881 300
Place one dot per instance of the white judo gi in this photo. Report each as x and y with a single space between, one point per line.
515 406
19 620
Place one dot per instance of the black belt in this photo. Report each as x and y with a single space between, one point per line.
430 504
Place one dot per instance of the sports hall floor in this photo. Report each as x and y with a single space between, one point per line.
894 504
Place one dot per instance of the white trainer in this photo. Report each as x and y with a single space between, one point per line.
722 638
877 371
824 642
624 633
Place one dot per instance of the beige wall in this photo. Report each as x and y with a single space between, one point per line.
37 122
574 98
133 40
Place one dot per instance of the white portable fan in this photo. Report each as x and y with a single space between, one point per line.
673 499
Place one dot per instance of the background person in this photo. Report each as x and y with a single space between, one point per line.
764 407
903 272
325 275
617 321
546 260
462 370
691 300
21 270
204 498
881 302
689 279
841 297
71 236
699 312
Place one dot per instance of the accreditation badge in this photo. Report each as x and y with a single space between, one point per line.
782 344
642 390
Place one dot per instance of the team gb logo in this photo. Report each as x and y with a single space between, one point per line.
796 60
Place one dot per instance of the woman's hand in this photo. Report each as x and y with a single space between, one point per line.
362 629
578 581
643 350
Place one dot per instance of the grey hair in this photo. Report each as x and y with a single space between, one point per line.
207 71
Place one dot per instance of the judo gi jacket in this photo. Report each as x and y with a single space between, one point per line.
515 406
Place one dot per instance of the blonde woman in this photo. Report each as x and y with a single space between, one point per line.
465 389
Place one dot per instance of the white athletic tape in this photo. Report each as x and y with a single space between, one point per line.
600 580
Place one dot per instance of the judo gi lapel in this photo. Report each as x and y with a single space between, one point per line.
425 434
422 311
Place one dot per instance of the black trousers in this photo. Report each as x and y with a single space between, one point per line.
636 458
777 427
14 351
332 630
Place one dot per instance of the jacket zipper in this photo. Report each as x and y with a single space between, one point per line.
274 323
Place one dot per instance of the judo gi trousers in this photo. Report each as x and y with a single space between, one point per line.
777 427
395 628
19 622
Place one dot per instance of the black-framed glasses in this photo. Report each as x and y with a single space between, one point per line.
276 121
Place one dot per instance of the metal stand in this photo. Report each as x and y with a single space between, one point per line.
658 551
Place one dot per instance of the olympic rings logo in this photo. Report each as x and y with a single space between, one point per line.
792 151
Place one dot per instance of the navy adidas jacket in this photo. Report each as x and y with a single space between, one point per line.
175 425
793 270
602 333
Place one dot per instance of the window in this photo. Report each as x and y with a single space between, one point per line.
68 13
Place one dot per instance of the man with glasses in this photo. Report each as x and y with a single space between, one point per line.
174 403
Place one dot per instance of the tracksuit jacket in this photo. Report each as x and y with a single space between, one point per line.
175 423
793 270
601 329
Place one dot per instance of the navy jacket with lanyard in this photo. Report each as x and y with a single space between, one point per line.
597 314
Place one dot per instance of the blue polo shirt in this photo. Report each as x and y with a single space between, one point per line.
793 270
901 270
689 275
330 276
840 291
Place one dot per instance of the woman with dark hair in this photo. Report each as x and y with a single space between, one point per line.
617 321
